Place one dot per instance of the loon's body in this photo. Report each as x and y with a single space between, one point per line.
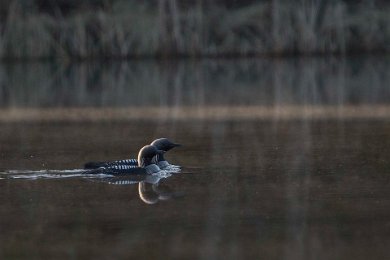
146 164
127 162
161 144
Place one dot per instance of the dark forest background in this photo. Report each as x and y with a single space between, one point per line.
74 29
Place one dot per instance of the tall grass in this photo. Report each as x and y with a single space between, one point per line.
137 29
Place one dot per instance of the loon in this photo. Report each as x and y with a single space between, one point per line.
163 144
146 164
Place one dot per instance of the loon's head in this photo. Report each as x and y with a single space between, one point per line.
146 154
165 145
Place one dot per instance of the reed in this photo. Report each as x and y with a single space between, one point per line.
139 29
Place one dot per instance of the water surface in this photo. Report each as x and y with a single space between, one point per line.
267 187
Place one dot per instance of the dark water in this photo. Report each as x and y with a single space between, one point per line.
249 189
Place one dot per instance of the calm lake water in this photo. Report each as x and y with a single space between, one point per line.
299 186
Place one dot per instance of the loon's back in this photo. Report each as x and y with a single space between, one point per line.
95 165
118 170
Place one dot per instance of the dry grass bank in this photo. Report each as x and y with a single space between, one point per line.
297 112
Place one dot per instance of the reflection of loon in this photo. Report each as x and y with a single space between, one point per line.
146 164
161 144
152 193
150 189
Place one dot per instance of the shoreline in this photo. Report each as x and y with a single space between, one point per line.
283 112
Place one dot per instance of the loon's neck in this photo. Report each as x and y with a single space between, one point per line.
146 162
160 157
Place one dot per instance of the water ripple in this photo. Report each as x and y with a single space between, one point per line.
50 174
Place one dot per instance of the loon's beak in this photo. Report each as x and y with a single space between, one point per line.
176 145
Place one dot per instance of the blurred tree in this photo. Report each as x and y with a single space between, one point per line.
169 20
